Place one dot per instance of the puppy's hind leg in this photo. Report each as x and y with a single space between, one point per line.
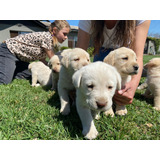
34 80
109 112
157 100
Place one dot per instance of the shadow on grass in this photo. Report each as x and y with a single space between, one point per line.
140 97
54 100
46 88
71 122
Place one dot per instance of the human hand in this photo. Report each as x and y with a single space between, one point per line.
125 95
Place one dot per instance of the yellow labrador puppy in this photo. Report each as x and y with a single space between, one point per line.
73 60
43 74
153 81
95 86
125 61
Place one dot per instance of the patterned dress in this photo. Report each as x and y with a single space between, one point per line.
30 47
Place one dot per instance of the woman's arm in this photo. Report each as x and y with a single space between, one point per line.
49 53
83 39
126 95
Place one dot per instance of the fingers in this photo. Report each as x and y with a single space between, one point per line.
123 97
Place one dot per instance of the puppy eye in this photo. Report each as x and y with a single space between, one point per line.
125 58
76 59
58 63
88 60
110 87
90 86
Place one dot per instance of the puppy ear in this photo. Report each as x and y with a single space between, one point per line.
149 64
110 58
76 78
65 61
119 80
145 66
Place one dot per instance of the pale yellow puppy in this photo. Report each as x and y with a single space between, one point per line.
46 76
125 61
95 85
153 81
72 60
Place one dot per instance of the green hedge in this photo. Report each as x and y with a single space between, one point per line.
157 43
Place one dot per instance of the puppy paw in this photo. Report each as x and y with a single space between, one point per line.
157 108
97 116
65 111
36 85
109 112
92 134
121 112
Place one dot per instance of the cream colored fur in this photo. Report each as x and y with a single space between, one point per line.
124 59
73 60
153 81
43 74
95 86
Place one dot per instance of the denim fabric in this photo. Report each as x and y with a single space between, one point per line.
102 54
11 67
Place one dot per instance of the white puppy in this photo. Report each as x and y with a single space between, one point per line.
95 86
125 61
153 81
43 74
73 60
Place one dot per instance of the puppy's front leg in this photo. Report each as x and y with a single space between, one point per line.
64 99
121 110
89 129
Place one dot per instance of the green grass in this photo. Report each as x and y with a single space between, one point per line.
28 113
146 58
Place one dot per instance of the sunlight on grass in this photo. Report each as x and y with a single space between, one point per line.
33 113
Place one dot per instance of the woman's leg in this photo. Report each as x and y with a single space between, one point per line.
7 64
22 71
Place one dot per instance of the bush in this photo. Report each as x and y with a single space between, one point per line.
63 48
90 51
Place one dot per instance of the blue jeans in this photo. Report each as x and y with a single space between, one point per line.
102 54
11 67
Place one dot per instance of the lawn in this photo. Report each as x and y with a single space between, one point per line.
28 113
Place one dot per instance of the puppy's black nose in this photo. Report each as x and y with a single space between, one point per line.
136 67
100 105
